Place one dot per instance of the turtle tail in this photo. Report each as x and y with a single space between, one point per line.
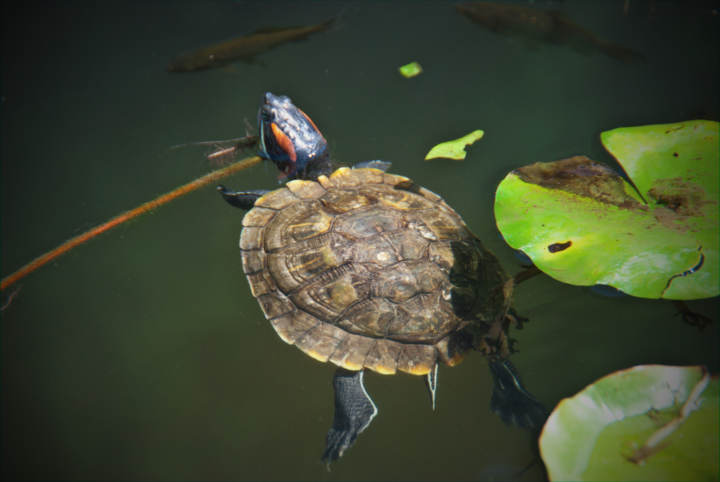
511 401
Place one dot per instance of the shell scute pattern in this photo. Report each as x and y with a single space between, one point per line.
355 269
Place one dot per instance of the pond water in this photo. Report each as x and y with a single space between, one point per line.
142 355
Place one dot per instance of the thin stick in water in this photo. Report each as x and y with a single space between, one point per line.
126 216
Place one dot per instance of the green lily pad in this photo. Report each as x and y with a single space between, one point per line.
456 149
410 70
636 424
583 224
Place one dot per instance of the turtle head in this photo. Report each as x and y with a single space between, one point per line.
288 137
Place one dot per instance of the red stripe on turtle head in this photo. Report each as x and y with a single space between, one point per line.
284 142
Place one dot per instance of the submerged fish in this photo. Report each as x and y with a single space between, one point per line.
242 48
549 26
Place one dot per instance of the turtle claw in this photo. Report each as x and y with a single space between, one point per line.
515 319
354 410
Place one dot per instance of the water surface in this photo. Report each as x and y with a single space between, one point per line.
142 355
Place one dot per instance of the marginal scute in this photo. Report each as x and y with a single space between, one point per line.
259 284
368 175
277 199
324 181
294 325
275 304
394 179
448 352
258 217
305 189
382 358
344 177
428 194
253 261
251 238
321 341
417 359
351 352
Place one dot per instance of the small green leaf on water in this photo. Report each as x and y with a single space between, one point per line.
410 70
456 149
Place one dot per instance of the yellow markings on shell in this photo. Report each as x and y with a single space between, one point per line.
394 179
314 354
350 366
345 177
401 204
319 223
325 257
312 262
343 171
418 370
324 182
382 370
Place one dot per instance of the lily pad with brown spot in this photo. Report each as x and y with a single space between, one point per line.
584 224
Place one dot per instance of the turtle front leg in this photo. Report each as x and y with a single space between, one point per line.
354 410
241 199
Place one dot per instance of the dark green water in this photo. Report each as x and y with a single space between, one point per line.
142 355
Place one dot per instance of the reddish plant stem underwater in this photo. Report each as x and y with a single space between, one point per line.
126 216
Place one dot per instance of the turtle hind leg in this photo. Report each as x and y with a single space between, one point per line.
511 401
354 410
241 199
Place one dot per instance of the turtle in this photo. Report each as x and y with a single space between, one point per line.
369 271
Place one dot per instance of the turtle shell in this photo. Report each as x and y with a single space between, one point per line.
368 270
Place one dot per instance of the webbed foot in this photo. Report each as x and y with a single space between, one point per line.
354 410
511 401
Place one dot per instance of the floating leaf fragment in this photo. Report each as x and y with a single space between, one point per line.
456 149
410 70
